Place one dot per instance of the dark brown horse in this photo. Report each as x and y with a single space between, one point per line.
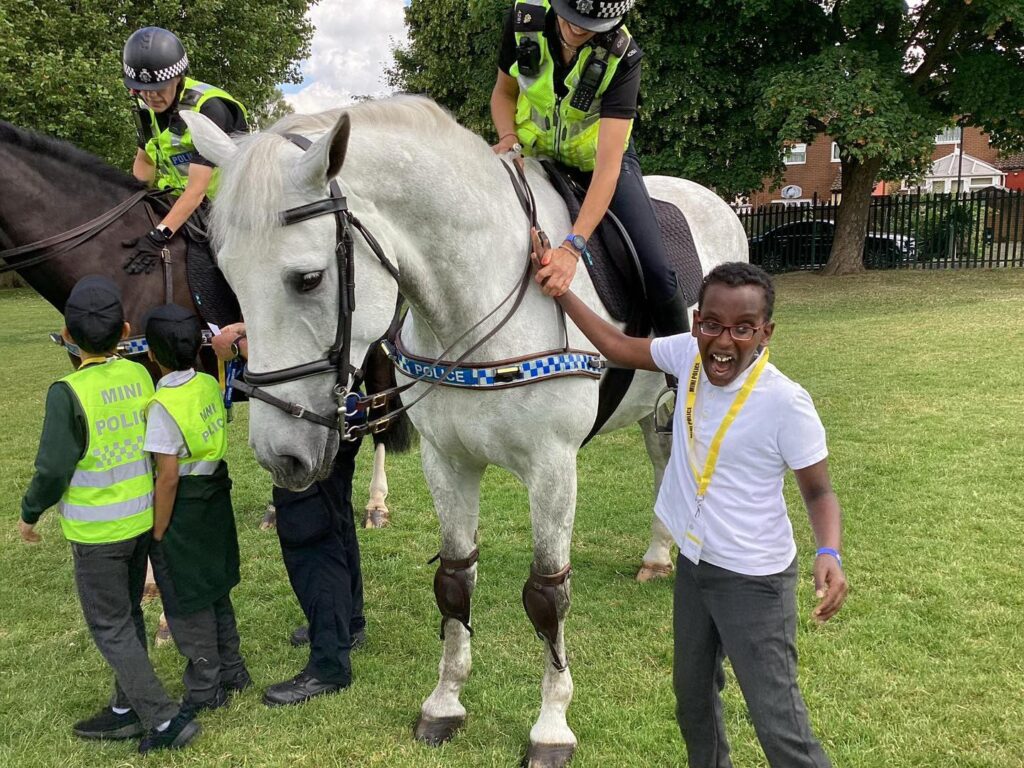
49 187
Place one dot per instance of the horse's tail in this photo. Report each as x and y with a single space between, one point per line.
379 376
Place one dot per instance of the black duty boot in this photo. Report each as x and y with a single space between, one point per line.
300 688
671 316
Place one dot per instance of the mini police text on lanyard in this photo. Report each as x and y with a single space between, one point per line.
693 540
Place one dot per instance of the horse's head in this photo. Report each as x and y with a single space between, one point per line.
286 277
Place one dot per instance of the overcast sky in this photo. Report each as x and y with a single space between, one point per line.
351 49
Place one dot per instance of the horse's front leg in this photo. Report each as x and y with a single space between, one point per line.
377 514
546 598
455 486
657 563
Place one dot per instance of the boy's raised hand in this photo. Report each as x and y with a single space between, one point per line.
28 532
829 587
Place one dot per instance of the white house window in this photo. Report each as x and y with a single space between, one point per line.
980 182
835 153
948 136
796 155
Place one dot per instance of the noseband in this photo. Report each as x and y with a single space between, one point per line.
338 357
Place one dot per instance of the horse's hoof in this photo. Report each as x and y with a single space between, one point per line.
269 518
652 571
548 755
163 634
436 731
376 517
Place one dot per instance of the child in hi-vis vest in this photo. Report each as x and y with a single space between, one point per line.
91 461
195 545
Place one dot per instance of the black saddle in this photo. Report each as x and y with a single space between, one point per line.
615 272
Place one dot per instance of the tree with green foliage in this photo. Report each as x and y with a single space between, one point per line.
887 79
60 61
697 93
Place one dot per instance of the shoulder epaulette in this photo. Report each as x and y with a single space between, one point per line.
529 18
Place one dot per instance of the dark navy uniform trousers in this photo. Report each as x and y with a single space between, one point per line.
317 531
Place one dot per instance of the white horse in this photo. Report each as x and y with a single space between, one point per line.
443 209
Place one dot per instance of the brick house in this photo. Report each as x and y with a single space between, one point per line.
813 171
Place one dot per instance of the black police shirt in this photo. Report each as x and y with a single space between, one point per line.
619 101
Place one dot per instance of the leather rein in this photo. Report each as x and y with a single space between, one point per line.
350 417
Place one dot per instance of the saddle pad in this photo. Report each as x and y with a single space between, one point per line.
213 297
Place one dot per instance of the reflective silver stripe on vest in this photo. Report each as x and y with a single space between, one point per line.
198 468
107 512
109 477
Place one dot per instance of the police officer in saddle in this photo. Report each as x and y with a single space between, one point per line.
155 72
567 88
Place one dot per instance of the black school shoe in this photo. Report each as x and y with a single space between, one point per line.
219 699
178 734
237 683
107 724
300 688
300 637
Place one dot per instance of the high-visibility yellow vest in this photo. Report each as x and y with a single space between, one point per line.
171 150
197 407
549 125
110 497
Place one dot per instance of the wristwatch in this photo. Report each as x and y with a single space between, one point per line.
578 243
165 231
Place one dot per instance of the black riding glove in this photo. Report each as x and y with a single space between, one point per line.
147 252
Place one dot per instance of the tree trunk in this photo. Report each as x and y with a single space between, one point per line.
847 254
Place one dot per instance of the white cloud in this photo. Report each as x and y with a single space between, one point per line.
352 46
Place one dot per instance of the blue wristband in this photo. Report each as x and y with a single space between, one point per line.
830 551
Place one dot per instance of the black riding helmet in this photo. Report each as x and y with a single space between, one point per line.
152 57
593 15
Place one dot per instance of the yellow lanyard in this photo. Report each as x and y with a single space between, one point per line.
704 478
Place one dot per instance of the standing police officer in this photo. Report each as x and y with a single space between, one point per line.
155 67
567 88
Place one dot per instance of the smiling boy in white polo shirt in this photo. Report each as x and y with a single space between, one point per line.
739 425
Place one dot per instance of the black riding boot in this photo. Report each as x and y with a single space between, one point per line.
670 316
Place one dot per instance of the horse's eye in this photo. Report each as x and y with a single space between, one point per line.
311 280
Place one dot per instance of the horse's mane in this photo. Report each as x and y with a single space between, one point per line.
254 183
65 152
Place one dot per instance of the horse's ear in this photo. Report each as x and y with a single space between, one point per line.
323 161
212 143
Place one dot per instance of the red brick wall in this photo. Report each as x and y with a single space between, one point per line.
814 177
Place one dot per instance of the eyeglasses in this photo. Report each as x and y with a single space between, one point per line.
738 332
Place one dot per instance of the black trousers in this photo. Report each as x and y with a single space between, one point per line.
317 531
631 203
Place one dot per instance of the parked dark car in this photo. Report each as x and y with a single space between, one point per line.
807 245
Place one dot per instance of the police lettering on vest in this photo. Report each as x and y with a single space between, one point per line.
565 128
197 407
171 150
110 496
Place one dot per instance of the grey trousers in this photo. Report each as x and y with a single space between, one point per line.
110 578
208 639
752 620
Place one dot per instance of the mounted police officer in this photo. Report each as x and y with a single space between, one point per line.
567 88
155 72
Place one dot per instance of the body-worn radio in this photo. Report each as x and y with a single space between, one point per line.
586 91
528 57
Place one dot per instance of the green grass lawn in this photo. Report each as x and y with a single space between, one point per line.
917 378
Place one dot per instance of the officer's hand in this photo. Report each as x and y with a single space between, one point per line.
557 269
222 341
146 251
28 532
506 143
